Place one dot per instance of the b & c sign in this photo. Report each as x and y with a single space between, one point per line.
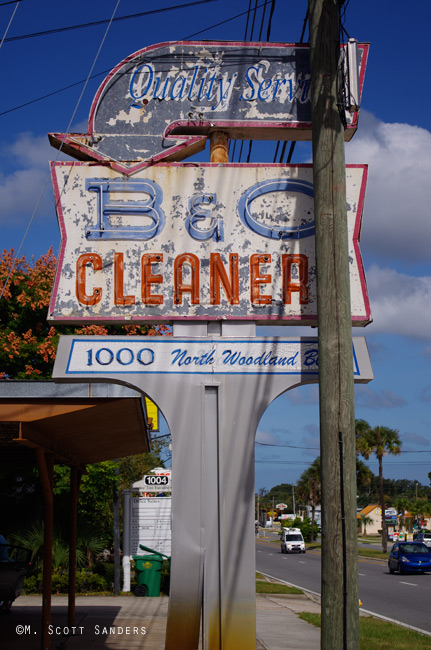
179 241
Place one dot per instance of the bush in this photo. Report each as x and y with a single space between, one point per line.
303 525
85 582
165 578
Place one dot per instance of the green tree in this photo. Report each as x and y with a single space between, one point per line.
365 521
308 530
380 441
28 343
403 505
309 489
27 351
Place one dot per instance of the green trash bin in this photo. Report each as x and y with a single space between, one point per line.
148 570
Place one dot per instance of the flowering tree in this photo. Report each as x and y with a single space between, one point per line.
27 342
28 347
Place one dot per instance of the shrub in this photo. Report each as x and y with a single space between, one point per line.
85 582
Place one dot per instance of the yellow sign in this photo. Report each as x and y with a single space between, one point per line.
152 415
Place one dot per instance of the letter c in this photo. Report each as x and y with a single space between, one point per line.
97 264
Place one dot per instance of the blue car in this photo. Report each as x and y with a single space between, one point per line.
410 557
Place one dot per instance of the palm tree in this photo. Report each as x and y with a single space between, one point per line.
309 488
364 477
380 441
403 505
365 521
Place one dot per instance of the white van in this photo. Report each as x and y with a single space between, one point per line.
292 541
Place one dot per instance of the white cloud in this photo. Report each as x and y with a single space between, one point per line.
415 439
367 398
304 395
266 438
27 174
400 303
397 215
425 394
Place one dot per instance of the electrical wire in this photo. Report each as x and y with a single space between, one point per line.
271 444
104 72
293 143
271 13
284 462
259 38
59 30
248 18
58 153
54 92
10 22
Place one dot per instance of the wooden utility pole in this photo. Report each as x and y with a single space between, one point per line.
340 602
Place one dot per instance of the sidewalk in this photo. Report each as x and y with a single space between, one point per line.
140 623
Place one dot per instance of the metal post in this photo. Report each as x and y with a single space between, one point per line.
340 613
219 147
126 540
75 477
46 469
116 535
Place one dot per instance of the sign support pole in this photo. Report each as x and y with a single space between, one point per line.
219 147
340 612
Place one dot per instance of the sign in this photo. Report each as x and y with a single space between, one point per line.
154 481
87 356
158 481
161 102
281 506
152 415
195 242
150 524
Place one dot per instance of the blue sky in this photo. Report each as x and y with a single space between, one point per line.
394 139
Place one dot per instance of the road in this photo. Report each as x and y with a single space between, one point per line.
403 598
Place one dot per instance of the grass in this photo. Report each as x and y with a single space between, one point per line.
275 588
264 586
371 552
375 634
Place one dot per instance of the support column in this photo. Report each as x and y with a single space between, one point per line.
46 469
75 479
219 147
117 542
126 540
340 612
212 521
183 412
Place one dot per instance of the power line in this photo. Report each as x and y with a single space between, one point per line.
270 444
54 92
104 22
58 153
10 22
284 462
98 74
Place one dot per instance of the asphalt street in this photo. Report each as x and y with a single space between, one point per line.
403 598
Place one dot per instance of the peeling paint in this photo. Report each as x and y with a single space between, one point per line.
170 90
208 241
